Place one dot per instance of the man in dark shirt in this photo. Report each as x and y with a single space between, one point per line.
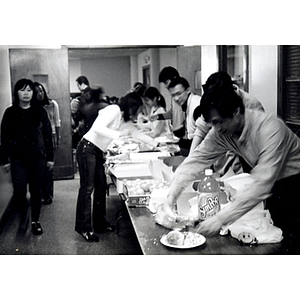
84 87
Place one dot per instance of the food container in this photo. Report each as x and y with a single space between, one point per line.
138 192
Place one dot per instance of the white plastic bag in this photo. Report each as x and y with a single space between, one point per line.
260 228
256 226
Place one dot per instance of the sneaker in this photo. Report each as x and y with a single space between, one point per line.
90 236
36 228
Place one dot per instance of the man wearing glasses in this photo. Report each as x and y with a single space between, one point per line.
183 97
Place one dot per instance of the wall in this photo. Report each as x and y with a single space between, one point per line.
189 62
5 88
134 73
111 73
74 70
209 62
263 65
150 57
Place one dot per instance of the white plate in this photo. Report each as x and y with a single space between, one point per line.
197 238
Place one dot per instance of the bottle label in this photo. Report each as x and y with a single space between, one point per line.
209 205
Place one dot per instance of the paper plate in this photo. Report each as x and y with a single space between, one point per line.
191 240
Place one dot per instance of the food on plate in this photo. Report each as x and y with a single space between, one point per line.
175 238
183 240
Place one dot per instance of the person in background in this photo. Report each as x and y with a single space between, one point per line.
182 95
26 142
52 109
85 98
143 109
84 87
154 103
166 75
78 128
266 144
112 122
175 113
220 80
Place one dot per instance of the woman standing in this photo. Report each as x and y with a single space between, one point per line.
52 109
108 125
26 141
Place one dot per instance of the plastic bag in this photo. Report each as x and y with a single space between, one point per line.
258 225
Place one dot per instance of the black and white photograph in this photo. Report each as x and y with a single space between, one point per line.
147 150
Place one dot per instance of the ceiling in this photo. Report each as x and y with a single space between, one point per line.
76 52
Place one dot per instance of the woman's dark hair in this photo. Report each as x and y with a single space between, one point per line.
167 73
46 100
140 89
152 92
179 80
19 86
130 104
225 100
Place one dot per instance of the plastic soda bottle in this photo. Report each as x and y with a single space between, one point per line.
208 196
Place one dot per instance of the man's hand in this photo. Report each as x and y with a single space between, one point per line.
210 226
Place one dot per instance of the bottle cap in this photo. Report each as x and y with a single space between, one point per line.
208 172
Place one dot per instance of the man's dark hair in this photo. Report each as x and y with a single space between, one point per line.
83 79
217 80
224 100
179 80
167 73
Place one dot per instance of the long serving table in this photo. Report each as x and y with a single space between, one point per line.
149 234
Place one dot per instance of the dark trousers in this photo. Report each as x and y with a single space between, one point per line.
92 179
47 188
284 206
31 174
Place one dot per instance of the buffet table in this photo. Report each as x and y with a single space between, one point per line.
149 234
161 166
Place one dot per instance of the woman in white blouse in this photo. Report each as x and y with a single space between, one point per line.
111 123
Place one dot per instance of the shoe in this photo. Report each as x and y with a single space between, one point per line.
36 228
107 228
47 201
90 236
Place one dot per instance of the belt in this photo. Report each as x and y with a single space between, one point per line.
88 143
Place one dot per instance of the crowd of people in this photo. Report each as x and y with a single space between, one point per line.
224 128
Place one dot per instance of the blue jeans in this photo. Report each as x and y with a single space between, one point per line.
30 173
92 179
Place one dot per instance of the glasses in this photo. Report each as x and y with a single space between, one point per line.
177 94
